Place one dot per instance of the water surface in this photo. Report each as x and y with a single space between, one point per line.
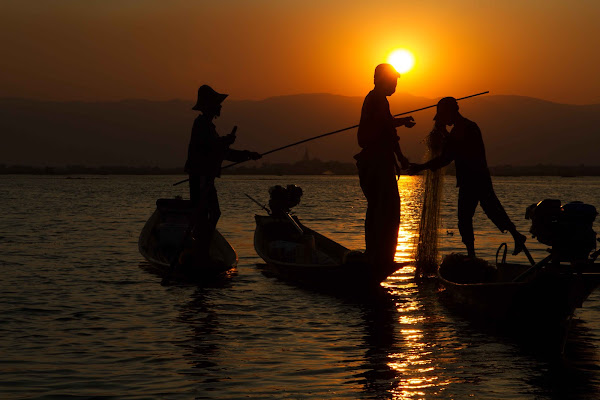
81 317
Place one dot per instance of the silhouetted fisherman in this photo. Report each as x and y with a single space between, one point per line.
378 165
206 152
464 146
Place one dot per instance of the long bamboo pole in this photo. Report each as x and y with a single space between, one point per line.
333 133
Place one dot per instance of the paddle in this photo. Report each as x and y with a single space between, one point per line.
295 224
532 269
332 133
534 266
260 205
526 251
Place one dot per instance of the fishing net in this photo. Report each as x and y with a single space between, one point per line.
426 249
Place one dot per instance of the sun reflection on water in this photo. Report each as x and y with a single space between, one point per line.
414 366
409 188
405 245
415 359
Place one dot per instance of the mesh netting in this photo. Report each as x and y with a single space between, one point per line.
426 249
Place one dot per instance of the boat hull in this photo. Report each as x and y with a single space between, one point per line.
550 296
161 239
312 259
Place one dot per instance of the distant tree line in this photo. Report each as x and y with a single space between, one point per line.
84 170
545 170
302 167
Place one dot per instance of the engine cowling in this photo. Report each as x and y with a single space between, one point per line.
283 199
567 228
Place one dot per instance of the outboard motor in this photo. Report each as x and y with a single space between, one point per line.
568 228
282 199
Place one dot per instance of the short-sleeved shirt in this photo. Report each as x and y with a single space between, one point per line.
464 145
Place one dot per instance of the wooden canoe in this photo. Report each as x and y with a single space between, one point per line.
312 259
547 296
161 239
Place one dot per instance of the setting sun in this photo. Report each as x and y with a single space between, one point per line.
402 60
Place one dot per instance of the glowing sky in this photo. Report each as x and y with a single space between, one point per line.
155 49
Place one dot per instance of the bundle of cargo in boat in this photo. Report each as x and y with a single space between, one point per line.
460 268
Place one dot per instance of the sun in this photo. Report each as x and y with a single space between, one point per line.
402 60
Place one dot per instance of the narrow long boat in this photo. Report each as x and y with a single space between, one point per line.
299 254
163 239
543 294
546 294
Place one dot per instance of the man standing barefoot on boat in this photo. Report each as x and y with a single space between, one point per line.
206 152
378 165
464 146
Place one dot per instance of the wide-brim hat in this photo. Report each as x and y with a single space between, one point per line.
207 97
447 105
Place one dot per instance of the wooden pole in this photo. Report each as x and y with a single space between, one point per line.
333 133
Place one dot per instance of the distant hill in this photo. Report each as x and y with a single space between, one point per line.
517 130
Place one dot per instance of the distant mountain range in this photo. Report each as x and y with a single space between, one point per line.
517 130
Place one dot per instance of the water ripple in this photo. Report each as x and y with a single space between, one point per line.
83 318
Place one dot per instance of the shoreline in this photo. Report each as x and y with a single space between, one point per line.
320 168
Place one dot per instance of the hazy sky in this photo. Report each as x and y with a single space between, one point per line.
164 49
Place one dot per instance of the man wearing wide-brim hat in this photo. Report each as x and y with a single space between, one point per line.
464 145
206 152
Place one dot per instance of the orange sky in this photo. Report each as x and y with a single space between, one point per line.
155 49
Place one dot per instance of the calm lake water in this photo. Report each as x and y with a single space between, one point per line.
82 318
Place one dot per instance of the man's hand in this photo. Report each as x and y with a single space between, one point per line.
228 139
252 155
414 169
408 122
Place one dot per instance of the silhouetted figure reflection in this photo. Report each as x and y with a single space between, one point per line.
464 145
206 152
380 323
377 166
200 323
